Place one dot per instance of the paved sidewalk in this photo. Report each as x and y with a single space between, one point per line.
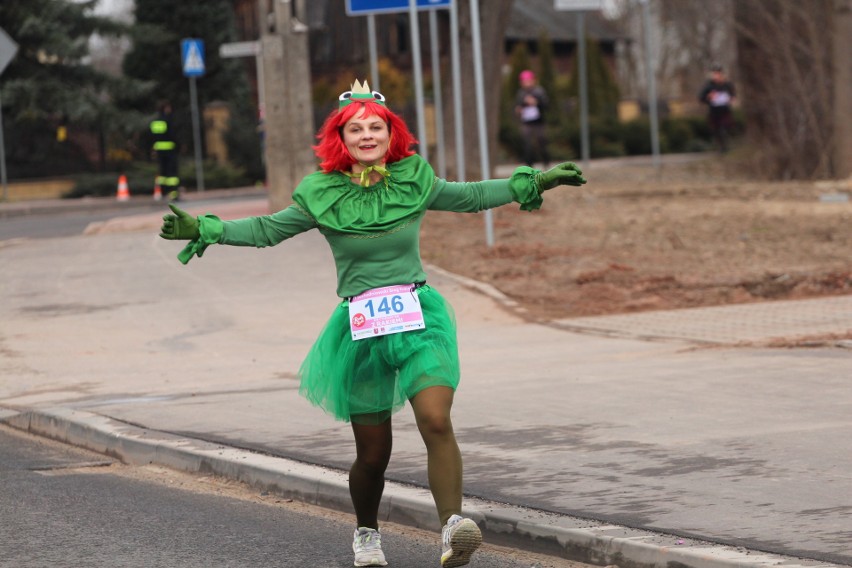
618 440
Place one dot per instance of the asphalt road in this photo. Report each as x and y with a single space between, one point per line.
62 506
75 215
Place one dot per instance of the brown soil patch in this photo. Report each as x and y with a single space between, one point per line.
636 239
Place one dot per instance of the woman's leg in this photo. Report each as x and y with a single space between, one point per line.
373 444
432 411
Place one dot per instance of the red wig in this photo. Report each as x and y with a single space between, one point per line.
332 151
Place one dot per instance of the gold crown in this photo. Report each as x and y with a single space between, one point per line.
360 92
361 89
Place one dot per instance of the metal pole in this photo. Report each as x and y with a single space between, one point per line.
261 96
437 94
584 88
196 135
3 158
457 96
480 112
418 77
261 101
374 57
652 85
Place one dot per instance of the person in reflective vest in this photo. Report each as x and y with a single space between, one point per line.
165 145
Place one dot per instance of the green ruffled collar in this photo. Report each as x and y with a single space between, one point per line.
338 204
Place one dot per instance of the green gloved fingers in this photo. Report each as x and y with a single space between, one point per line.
180 226
566 173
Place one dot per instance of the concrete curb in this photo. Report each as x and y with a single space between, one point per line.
539 531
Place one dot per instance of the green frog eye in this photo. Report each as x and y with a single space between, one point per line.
345 96
378 96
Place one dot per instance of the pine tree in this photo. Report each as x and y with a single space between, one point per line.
156 58
49 82
547 76
49 75
602 89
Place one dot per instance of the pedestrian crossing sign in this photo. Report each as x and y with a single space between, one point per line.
192 56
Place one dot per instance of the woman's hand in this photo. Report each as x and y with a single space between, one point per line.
180 226
566 173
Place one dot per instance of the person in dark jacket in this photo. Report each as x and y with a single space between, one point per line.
718 94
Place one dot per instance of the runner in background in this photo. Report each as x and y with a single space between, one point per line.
718 94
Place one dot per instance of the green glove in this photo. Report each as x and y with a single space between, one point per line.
566 173
180 226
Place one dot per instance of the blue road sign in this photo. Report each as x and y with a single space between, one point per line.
367 7
192 57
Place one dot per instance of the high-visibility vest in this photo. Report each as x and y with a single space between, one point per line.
160 129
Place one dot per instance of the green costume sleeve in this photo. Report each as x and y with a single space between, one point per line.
470 197
261 231
267 230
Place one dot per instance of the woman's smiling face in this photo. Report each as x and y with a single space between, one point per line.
367 139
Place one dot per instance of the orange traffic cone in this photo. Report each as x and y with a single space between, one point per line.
123 193
158 193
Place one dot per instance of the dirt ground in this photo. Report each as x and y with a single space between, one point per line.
636 238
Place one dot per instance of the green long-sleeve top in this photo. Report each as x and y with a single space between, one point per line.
373 231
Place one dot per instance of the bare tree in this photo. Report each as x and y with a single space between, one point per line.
785 62
687 36
696 35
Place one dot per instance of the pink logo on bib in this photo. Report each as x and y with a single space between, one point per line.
358 320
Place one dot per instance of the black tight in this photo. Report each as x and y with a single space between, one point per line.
367 475
373 450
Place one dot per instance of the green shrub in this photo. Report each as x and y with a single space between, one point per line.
141 177
216 176
140 181
677 133
636 136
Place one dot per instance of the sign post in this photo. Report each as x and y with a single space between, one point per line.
372 7
8 50
249 49
581 6
192 57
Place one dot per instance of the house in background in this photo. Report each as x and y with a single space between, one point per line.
531 19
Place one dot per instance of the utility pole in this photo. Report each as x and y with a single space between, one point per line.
288 112
842 89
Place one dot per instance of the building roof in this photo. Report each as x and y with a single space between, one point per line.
532 17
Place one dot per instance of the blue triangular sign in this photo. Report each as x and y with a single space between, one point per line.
192 51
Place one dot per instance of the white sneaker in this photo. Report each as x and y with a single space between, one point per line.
367 546
461 537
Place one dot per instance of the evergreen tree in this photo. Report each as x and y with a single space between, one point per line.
49 83
602 89
547 77
156 58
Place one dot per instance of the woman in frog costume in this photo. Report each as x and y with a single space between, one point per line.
392 339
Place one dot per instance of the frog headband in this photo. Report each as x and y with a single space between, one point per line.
360 93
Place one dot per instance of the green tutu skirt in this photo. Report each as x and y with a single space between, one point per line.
366 381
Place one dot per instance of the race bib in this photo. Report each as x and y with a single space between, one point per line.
530 113
720 98
382 311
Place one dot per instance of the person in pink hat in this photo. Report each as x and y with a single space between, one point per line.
530 105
